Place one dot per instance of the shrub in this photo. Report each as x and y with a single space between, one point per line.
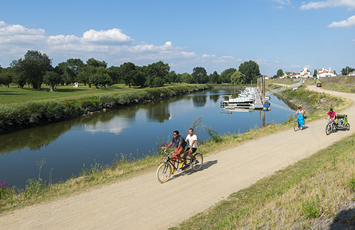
107 101
4 190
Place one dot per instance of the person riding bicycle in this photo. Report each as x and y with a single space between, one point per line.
332 115
192 139
300 116
179 143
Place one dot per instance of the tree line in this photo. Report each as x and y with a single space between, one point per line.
36 69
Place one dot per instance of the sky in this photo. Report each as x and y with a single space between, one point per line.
277 34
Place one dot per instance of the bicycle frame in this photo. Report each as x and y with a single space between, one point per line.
168 160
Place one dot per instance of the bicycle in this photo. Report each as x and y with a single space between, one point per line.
330 127
296 125
166 169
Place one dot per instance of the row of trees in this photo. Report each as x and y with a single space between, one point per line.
35 69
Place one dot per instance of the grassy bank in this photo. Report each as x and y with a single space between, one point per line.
293 198
37 190
38 112
341 84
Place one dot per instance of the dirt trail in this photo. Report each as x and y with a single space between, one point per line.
143 203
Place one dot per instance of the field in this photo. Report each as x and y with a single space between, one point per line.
15 95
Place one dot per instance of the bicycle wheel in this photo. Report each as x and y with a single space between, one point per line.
295 126
164 172
328 129
197 165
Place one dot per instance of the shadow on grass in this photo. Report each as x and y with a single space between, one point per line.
189 171
70 90
345 219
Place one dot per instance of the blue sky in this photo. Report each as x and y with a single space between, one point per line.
217 35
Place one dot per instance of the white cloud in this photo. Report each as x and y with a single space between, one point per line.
283 2
112 45
345 23
328 3
208 55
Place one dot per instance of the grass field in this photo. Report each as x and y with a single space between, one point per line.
15 95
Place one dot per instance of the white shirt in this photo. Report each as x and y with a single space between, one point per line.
191 139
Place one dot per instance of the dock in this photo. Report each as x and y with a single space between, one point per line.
258 102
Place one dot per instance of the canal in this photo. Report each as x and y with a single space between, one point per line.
131 131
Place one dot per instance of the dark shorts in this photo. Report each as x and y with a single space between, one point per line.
193 150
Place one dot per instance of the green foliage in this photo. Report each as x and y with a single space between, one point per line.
251 71
6 78
96 64
352 183
238 78
32 68
345 71
157 74
214 78
225 76
52 79
311 208
280 73
214 135
100 79
199 75
315 73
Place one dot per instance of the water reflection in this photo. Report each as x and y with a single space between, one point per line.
158 111
199 100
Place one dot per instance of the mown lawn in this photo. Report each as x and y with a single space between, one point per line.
16 95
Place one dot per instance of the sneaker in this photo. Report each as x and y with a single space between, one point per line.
182 165
172 170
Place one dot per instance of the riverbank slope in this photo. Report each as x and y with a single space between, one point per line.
117 205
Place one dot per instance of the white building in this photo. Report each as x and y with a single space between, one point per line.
325 73
305 73
352 74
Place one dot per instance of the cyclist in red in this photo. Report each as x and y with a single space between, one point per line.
179 143
331 114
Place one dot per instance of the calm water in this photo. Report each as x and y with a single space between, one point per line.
70 146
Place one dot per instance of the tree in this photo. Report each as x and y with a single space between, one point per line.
172 77
127 73
114 73
225 76
199 75
251 70
335 72
95 63
32 68
280 73
6 78
214 77
315 73
84 74
345 71
67 74
100 79
157 74
238 78
52 79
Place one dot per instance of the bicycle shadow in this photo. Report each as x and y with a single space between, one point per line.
190 171
345 219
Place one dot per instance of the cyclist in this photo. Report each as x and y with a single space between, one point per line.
300 116
192 139
332 115
179 143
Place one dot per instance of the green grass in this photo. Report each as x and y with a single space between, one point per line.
15 95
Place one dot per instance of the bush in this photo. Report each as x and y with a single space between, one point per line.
107 101
5 191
